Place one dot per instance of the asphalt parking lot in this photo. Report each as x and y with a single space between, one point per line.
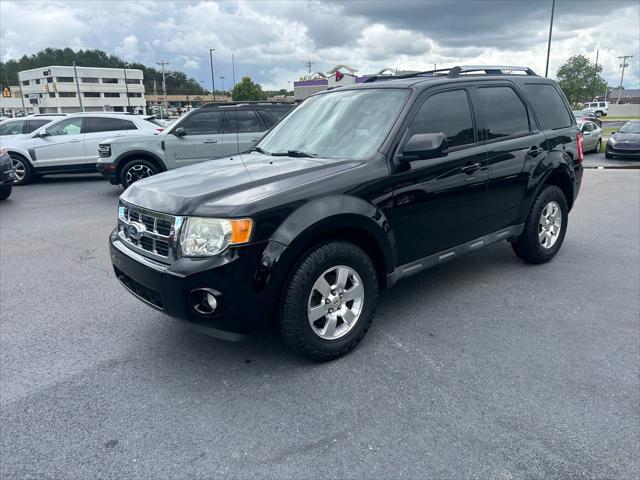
598 160
484 367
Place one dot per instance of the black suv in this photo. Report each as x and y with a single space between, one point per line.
357 188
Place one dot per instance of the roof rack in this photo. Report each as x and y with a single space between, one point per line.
457 71
238 103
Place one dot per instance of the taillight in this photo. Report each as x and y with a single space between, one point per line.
580 147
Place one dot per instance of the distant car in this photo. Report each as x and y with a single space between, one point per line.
584 115
625 142
69 144
23 125
601 109
7 177
591 136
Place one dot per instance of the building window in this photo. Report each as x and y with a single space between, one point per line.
65 79
133 81
134 94
49 79
26 95
109 80
67 94
52 95
37 81
25 82
112 95
90 80
91 94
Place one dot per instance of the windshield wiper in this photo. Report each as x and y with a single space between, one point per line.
294 153
259 149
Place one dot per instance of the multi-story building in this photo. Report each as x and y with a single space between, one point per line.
55 89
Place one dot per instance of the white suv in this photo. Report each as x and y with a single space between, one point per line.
601 109
70 144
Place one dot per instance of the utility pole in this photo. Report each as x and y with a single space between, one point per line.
623 65
164 83
126 87
75 74
308 64
553 7
213 81
155 94
595 75
222 82
289 83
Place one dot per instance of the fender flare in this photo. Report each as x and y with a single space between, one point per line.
124 156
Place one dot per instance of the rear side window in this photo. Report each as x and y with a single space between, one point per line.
242 121
602 104
203 122
448 113
97 124
12 128
33 125
503 112
548 106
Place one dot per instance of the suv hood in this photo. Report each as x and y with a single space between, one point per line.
219 187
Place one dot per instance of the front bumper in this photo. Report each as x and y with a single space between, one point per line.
243 304
623 152
108 170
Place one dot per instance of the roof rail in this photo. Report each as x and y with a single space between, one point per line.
248 102
456 71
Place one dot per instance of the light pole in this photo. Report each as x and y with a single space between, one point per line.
222 83
289 83
213 81
553 7
126 87
623 65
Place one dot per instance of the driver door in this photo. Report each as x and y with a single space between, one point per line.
202 139
62 144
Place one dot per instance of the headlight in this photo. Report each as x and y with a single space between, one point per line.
202 237
104 150
612 140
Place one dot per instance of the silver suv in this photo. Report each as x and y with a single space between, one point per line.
212 131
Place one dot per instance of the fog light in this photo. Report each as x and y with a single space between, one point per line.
205 301
211 301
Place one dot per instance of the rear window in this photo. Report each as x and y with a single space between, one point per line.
548 106
106 124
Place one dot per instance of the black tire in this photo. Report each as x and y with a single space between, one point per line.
598 146
5 192
295 327
608 154
599 113
20 164
135 170
528 246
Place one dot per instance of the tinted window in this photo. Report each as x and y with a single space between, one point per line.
71 126
602 104
203 122
242 121
449 113
503 112
587 127
98 124
12 128
268 118
548 105
33 125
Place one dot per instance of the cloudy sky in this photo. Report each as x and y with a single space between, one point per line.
272 40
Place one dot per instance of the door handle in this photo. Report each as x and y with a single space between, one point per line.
210 141
471 167
75 141
255 139
535 151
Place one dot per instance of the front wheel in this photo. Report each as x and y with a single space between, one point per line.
608 154
135 170
329 301
545 227
21 169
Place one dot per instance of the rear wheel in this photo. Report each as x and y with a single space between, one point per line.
598 148
22 169
135 170
329 301
545 227
5 192
599 113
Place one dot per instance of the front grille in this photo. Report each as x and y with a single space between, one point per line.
145 293
150 233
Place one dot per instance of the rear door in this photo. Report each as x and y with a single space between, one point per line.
62 144
242 130
202 140
589 135
99 128
440 203
512 140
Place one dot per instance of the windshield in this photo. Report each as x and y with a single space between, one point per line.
631 127
342 124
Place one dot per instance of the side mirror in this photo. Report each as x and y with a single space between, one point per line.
424 145
42 134
179 132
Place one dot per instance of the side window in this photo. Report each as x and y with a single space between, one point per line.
587 127
449 113
12 128
242 121
548 106
204 121
71 126
268 118
33 125
602 104
503 112
106 124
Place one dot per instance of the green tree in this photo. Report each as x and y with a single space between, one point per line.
247 90
580 80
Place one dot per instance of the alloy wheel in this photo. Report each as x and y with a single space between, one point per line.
137 172
19 169
550 224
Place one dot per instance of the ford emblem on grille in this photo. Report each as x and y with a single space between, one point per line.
134 230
